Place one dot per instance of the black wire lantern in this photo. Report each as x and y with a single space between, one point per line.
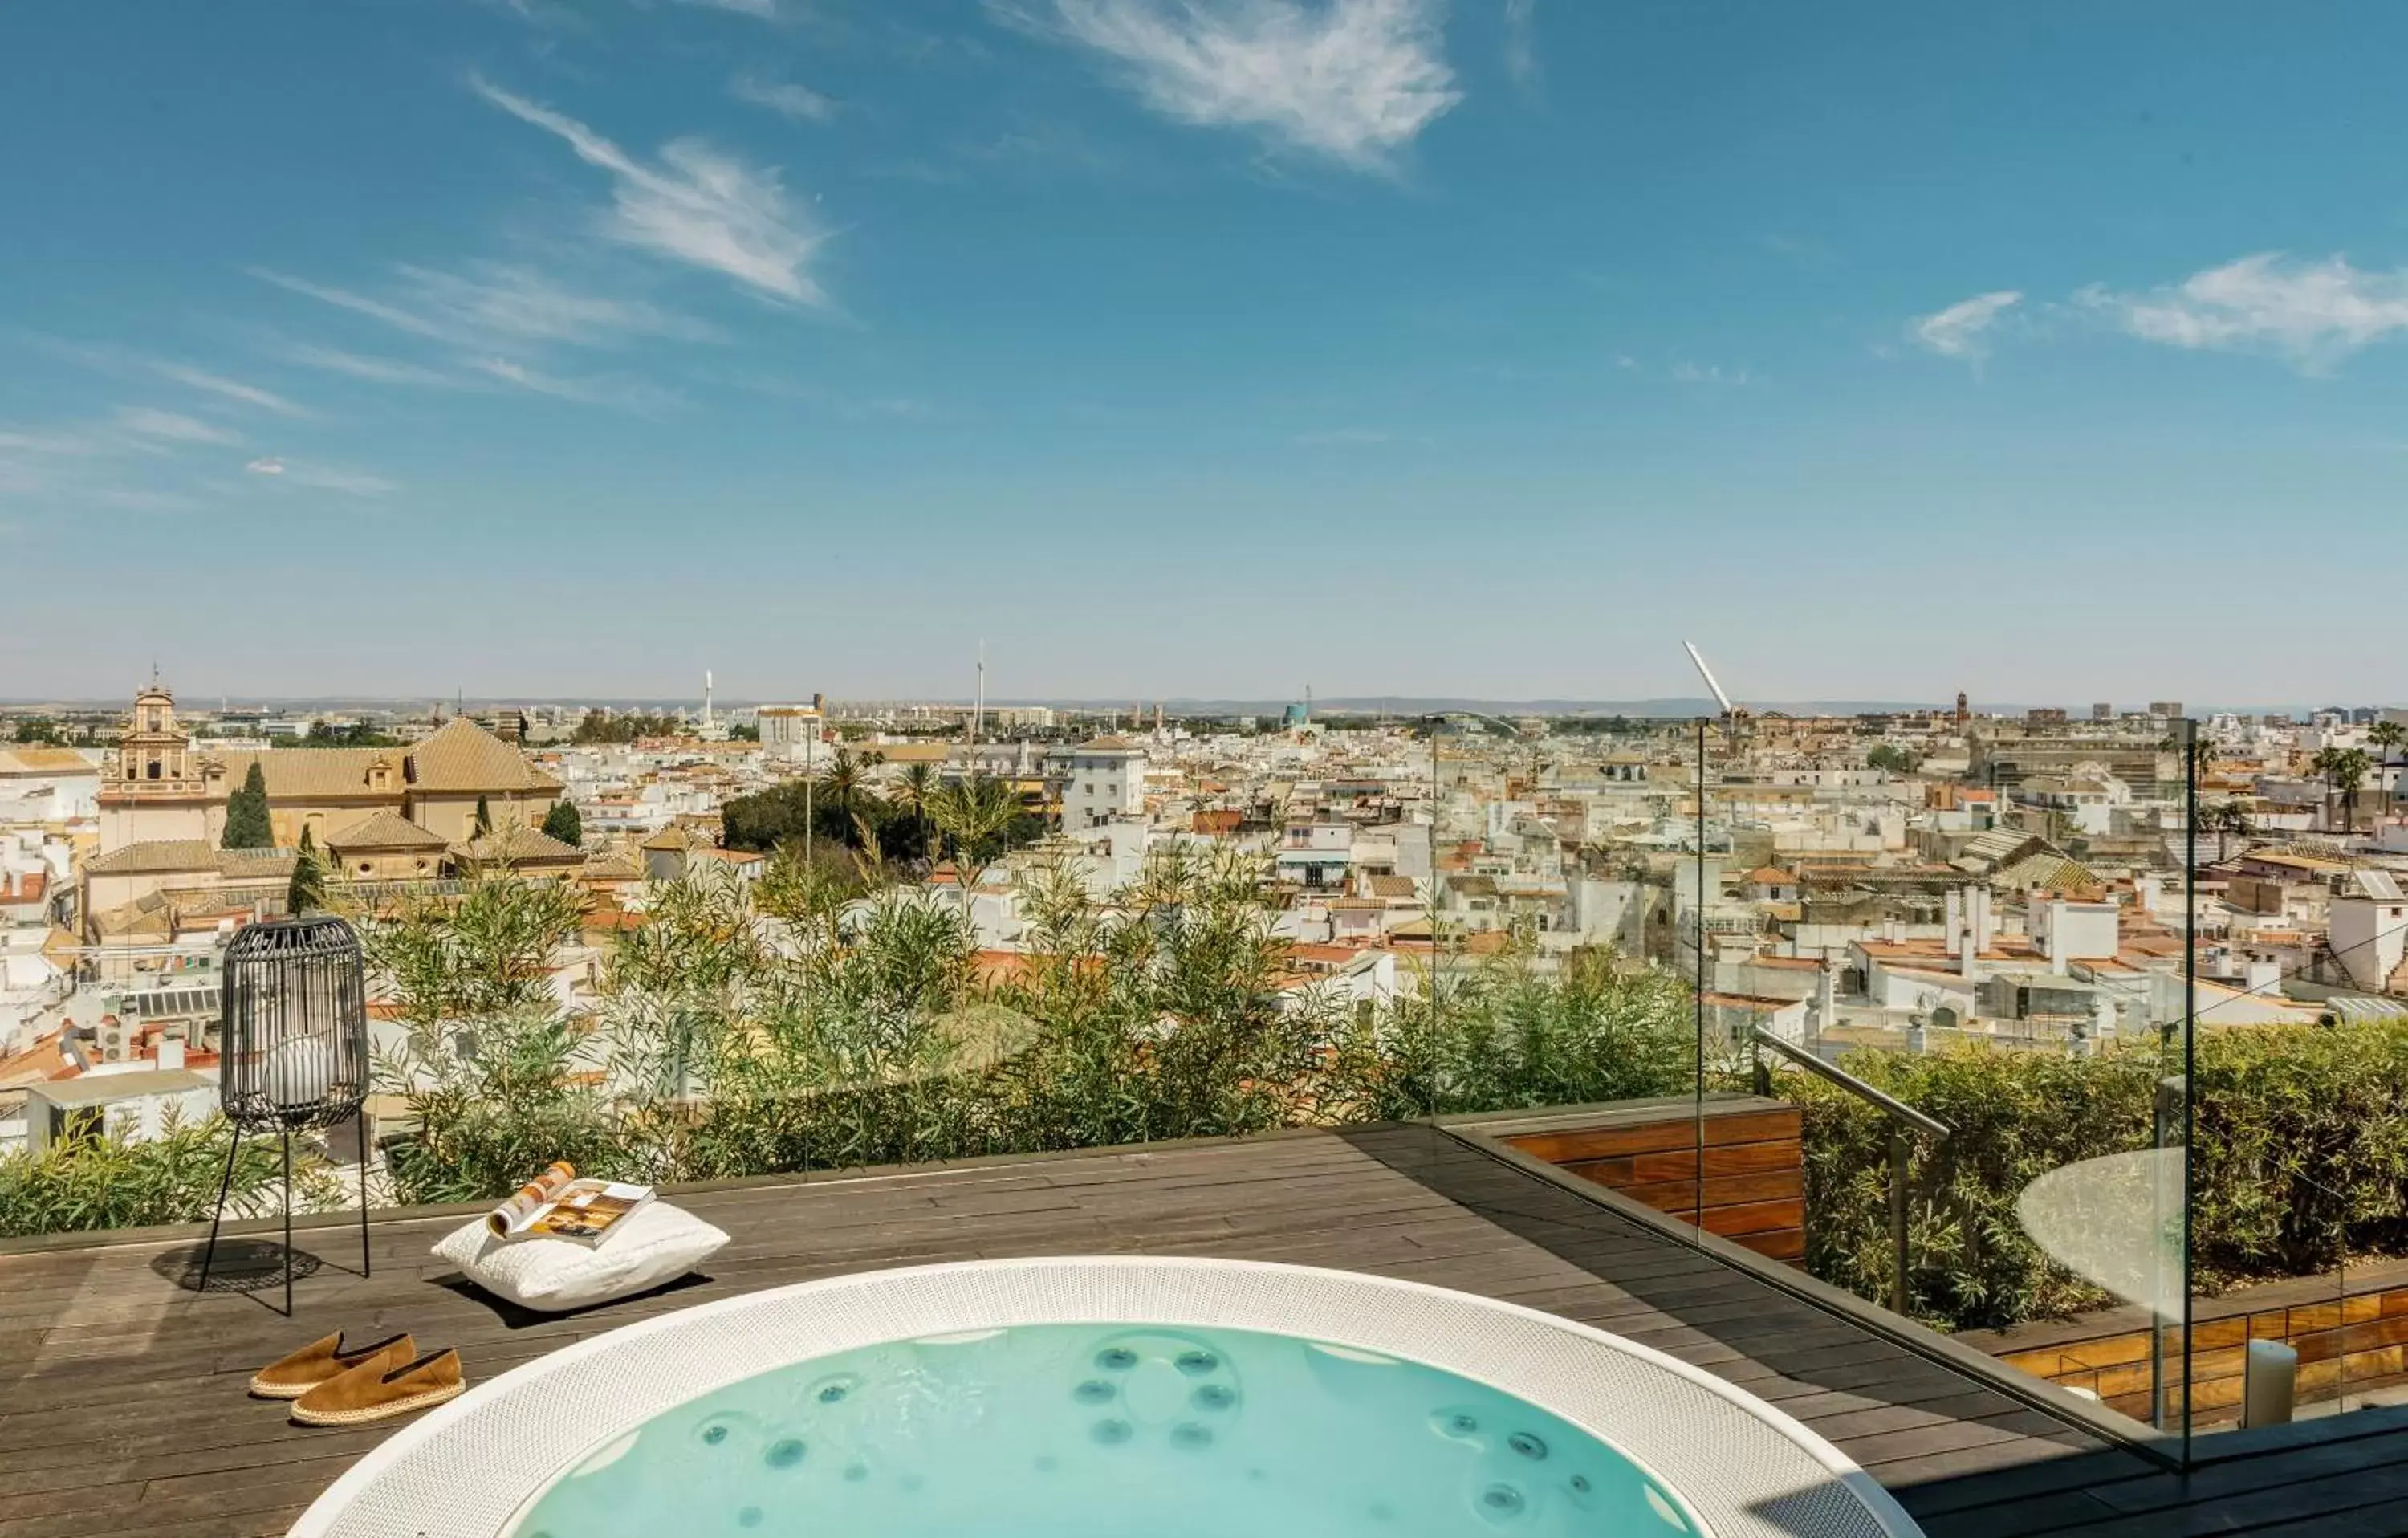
293 1050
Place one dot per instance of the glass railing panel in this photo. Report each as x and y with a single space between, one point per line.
1556 989
1967 977
2298 1308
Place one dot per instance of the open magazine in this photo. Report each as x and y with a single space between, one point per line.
556 1204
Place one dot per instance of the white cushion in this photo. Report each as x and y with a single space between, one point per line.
659 1243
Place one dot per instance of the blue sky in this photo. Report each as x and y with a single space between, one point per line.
1202 348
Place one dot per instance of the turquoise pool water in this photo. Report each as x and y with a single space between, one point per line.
1107 1432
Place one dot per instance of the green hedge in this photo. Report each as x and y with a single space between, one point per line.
102 1183
2300 1158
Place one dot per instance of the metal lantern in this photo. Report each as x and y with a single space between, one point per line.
293 1050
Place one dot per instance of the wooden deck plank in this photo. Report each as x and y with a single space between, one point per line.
122 1405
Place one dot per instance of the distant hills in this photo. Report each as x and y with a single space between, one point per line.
1351 705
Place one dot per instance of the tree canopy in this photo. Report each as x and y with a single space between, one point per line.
359 734
562 823
599 728
246 825
306 891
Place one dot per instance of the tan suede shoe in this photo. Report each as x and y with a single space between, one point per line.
381 1390
322 1361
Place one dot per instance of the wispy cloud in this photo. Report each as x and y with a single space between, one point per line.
174 427
358 304
2313 314
234 390
486 302
1352 81
140 499
320 477
373 370
784 98
1521 50
131 430
489 316
1343 437
1043 147
765 9
487 299
64 442
696 204
1696 373
630 394
327 477
1962 330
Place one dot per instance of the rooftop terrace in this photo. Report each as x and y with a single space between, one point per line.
123 1405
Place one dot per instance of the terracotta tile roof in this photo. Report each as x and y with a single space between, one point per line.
32 888
154 857
43 763
384 830
127 920
1331 954
516 843
613 863
461 759
675 840
41 1062
465 756
306 775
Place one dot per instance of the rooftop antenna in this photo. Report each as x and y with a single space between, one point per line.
977 715
1708 674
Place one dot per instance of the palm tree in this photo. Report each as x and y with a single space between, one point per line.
914 790
2327 760
2391 737
841 783
2201 752
2350 767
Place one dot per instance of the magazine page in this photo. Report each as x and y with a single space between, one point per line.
515 1217
586 1211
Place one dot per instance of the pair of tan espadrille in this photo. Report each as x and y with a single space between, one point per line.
332 1386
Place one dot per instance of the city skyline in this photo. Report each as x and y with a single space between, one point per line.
569 351
1403 707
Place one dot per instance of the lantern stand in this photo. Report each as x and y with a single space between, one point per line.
293 1052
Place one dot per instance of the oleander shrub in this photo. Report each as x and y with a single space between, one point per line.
100 1182
819 1020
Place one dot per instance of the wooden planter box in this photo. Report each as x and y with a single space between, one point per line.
1729 1162
2349 1342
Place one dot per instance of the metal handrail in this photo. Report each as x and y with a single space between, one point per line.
1890 1105
1901 1116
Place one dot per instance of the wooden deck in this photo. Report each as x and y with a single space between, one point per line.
122 1410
